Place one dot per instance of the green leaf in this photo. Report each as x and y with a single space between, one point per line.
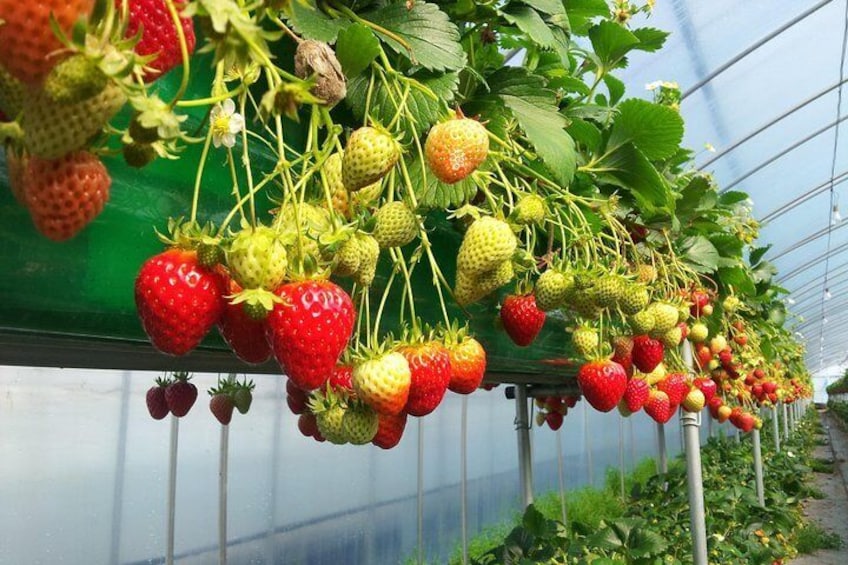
600 114
728 245
433 193
534 521
433 39
425 110
650 39
535 109
656 130
738 278
551 7
312 23
758 253
356 48
700 253
531 23
777 314
582 12
692 197
615 88
732 197
645 543
634 171
586 134
611 42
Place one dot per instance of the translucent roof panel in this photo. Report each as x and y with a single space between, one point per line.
761 84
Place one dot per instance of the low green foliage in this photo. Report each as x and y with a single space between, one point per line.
652 527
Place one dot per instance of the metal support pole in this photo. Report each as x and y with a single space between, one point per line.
709 427
463 483
736 435
420 532
172 490
621 455
662 457
587 439
775 428
561 474
694 479
785 421
691 423
222 495
758 467
525 458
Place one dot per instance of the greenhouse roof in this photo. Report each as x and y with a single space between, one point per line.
762 91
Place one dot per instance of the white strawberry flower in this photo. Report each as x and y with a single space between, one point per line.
225 123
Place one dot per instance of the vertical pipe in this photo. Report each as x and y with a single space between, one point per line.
525 460
463 484
172 491
785 421
621 455
222 495
279 395
120 466
662 457
758 467
561 473
695 486
694 479
587 440
710 427
420 492
737 435
775 428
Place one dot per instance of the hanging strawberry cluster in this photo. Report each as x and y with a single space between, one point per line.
387 156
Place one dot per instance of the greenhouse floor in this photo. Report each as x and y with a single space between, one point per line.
831 512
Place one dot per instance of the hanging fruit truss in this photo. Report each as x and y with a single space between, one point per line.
387 156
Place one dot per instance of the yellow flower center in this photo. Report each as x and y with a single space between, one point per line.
221 125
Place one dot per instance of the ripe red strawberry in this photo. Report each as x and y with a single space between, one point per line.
26 38
342 379
180 395
647 353
178 301
390 430
244 335
658 407
636 394
707 386
159 35
554 420
603 383
64 195
725 357
309 330
454 149
521 319
221 405
699 299
676 386
703 355
429 366
156 404
297 404
468 365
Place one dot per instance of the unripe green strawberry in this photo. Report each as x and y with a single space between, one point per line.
698 333
331 173
75 79
665 316
209 253
348 258
730 304
471 288
140 133
12 94
314 221
551 289
454 149
383 382
257 258
331 424
583 302
642 322
646 274
486 245
396 225
633 299
365 198
682 313
671 338
530 210
585 341
369 155
52 130
608 290
360 423
369 251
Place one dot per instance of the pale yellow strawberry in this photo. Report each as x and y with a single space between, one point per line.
369 155
383 382
486 245
396 225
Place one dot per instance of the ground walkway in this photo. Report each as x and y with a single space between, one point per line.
831 512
